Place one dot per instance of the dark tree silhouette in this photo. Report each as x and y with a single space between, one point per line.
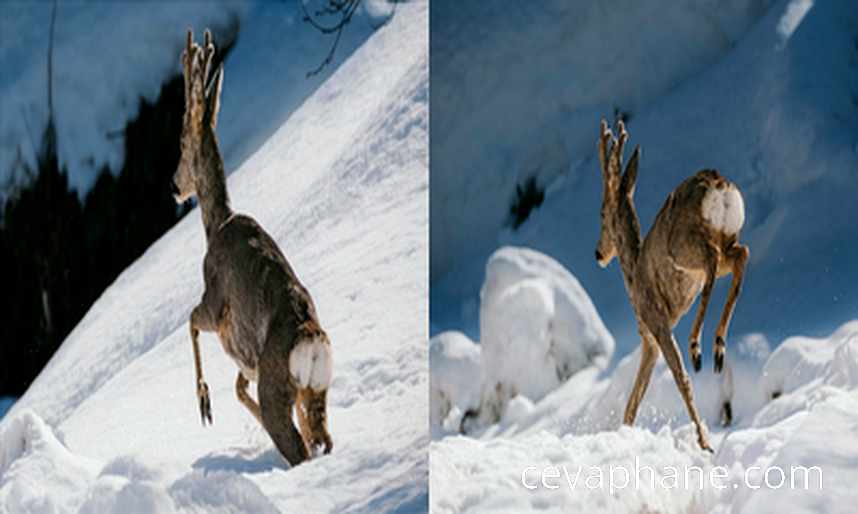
58 254
528 196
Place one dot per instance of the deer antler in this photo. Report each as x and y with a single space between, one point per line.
618 202
611 158
196 64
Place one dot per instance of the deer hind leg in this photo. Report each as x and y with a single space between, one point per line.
673 358
302 413
241 384
313 420
710 255
201 321
277 394
310 365
649 355
736 257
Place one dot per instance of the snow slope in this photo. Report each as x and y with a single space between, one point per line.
111 424
763 91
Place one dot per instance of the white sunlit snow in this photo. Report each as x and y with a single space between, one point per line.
111 424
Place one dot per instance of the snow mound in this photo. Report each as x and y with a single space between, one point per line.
538 327
798 360
454 383
46 477
33 461
220 492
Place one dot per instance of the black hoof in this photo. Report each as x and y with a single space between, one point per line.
697 362
205 403
719 354
726 415
469 414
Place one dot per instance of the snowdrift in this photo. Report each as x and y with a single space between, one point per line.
454 381
538 329
111 423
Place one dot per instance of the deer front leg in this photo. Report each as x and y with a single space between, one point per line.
736 257
710 259
241 384
200 320
649 354
673 358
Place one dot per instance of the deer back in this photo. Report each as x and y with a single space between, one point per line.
253 291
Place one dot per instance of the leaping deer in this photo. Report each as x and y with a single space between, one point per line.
693 241
264 317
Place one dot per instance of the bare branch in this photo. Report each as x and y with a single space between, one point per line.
342 12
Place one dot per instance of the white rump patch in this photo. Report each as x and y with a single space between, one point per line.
311 364
724 209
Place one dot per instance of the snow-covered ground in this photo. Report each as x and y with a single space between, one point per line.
109 54
111 424
794 414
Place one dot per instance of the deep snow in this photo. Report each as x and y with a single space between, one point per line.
111 423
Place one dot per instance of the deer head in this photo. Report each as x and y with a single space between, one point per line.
617 191
202 103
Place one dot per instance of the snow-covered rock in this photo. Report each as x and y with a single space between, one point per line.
538 327
112 423
454 382
798 360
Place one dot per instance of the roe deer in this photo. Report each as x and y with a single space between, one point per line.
262 314
693 241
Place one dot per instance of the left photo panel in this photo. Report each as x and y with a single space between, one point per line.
214 257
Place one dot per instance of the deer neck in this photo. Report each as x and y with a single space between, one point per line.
627 231
211 189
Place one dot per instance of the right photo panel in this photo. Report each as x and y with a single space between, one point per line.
643 256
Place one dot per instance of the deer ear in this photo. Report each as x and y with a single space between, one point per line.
213 97
630 177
